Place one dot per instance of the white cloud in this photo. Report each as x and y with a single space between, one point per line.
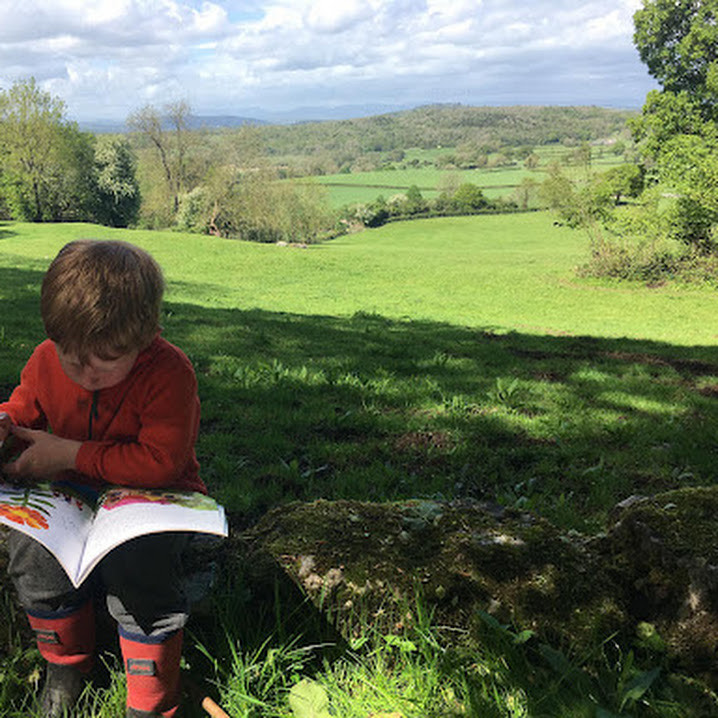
107 56
330 16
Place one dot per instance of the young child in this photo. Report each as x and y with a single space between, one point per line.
106 400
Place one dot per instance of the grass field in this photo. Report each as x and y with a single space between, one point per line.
497 273
456 357
367 186
345 189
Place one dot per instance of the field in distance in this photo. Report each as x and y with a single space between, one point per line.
418 168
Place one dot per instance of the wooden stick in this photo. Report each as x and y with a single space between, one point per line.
208 705
212 709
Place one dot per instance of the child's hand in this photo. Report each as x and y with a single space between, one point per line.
45 456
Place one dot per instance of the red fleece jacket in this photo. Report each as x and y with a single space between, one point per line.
140 432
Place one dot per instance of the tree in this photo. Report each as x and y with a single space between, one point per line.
171 146
468 198
677 130
414 202
73 189
30 138
576 205
689 165
117 199
241 197
525 191
677 40
532 161
625 180
46 163
665 115
556 191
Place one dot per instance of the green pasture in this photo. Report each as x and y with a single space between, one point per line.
367 186
444 358
500 273
363 187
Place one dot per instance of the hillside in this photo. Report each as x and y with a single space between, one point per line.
449 126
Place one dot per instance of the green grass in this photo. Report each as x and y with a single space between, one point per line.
363 187
367 186
498 273
449 357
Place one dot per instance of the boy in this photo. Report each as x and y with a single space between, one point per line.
106 400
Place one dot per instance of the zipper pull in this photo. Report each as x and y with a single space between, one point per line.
94 413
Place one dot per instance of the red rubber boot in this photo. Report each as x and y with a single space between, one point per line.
152 667
67 642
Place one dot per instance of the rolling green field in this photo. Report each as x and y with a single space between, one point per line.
345 189
367 186
444 358
499 273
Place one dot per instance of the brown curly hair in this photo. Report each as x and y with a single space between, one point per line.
103 298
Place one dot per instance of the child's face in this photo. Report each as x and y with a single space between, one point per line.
96 373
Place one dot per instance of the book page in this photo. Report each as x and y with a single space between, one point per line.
53 514
125 513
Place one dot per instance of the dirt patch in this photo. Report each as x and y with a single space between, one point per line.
424 440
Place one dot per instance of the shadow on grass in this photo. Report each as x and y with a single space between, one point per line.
5 232
301 407
367 408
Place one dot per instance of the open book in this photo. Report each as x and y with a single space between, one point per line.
79 532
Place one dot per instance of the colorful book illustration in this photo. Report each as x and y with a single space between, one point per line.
79 532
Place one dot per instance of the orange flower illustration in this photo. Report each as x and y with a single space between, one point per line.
24 515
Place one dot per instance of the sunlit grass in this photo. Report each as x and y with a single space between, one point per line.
507 273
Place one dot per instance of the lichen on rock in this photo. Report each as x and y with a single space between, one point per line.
656 566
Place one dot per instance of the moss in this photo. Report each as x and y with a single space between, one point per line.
663 553
364 561
685 519
461 557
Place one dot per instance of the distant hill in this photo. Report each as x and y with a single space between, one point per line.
196 122
215 122
427 126
448 126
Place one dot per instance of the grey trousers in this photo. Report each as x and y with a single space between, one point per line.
141 579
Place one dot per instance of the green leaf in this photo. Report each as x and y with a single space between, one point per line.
636 688
403 644
523 637
308 699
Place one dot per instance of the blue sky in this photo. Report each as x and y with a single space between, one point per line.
106 58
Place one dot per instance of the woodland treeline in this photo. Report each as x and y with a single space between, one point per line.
237 182
449 125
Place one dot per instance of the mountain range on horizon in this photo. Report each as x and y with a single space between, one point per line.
258 116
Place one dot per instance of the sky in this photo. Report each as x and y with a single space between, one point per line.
315 59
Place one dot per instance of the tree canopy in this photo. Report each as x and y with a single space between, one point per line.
51 171
676 133
677 40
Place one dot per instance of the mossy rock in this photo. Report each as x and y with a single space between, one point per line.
655 570
663 553
356 559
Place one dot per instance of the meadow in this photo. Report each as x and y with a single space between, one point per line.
495 182
452 357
